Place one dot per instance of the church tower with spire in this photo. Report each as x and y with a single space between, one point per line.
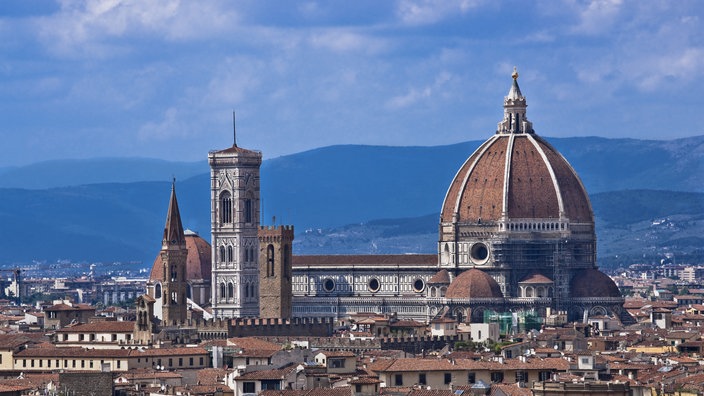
173 260
234 197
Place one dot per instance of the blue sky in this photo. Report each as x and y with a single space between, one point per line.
160 79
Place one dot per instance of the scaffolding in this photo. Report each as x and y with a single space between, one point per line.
514 322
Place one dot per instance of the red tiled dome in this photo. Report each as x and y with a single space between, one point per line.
593 283
535 183
474 283
198 265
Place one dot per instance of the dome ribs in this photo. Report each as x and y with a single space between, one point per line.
483 189
531 195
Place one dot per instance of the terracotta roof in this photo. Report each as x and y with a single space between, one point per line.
198 260
253 343
235 149
330 354
593 283
509 389
431 392
441 277
366 259
211 375
474 283
267 374
536 278
97 327
74 307
480 191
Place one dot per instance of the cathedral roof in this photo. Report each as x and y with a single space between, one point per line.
474 283
593 283
441 276
198 265
536 278
516 174
342 260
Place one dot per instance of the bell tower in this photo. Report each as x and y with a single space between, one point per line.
173 260
234 197
275 261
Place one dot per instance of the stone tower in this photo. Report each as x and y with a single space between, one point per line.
173 260
275 261
234 197
143 325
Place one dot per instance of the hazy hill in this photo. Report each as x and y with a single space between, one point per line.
62 173
57 211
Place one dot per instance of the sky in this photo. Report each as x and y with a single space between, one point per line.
161 79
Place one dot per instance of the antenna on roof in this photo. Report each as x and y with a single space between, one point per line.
234 129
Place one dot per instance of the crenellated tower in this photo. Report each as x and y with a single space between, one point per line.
275 263
234 197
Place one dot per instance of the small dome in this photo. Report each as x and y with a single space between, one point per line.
198 265
474 283
593 283
536 278
441 277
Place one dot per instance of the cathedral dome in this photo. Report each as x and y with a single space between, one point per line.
593 283
198 263
516 174
474 283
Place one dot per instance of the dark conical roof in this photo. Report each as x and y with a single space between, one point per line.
173 230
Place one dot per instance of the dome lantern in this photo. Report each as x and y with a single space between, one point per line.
515 105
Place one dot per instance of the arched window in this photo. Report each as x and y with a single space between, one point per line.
222 254
230 255
174 273
248 215
230 290
270 260
225 208
222 291
157 290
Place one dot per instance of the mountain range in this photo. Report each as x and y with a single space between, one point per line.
341 199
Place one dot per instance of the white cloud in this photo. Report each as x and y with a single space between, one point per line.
338 40
89 27
415 95
597 16
425 12
169 126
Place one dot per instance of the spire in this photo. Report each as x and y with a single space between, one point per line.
515 120
234 129
173 230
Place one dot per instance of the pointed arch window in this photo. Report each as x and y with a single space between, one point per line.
223 258
230 290
230 255
248 210
270 260
222 291
225 208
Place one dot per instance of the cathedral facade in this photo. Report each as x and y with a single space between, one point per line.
516 235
